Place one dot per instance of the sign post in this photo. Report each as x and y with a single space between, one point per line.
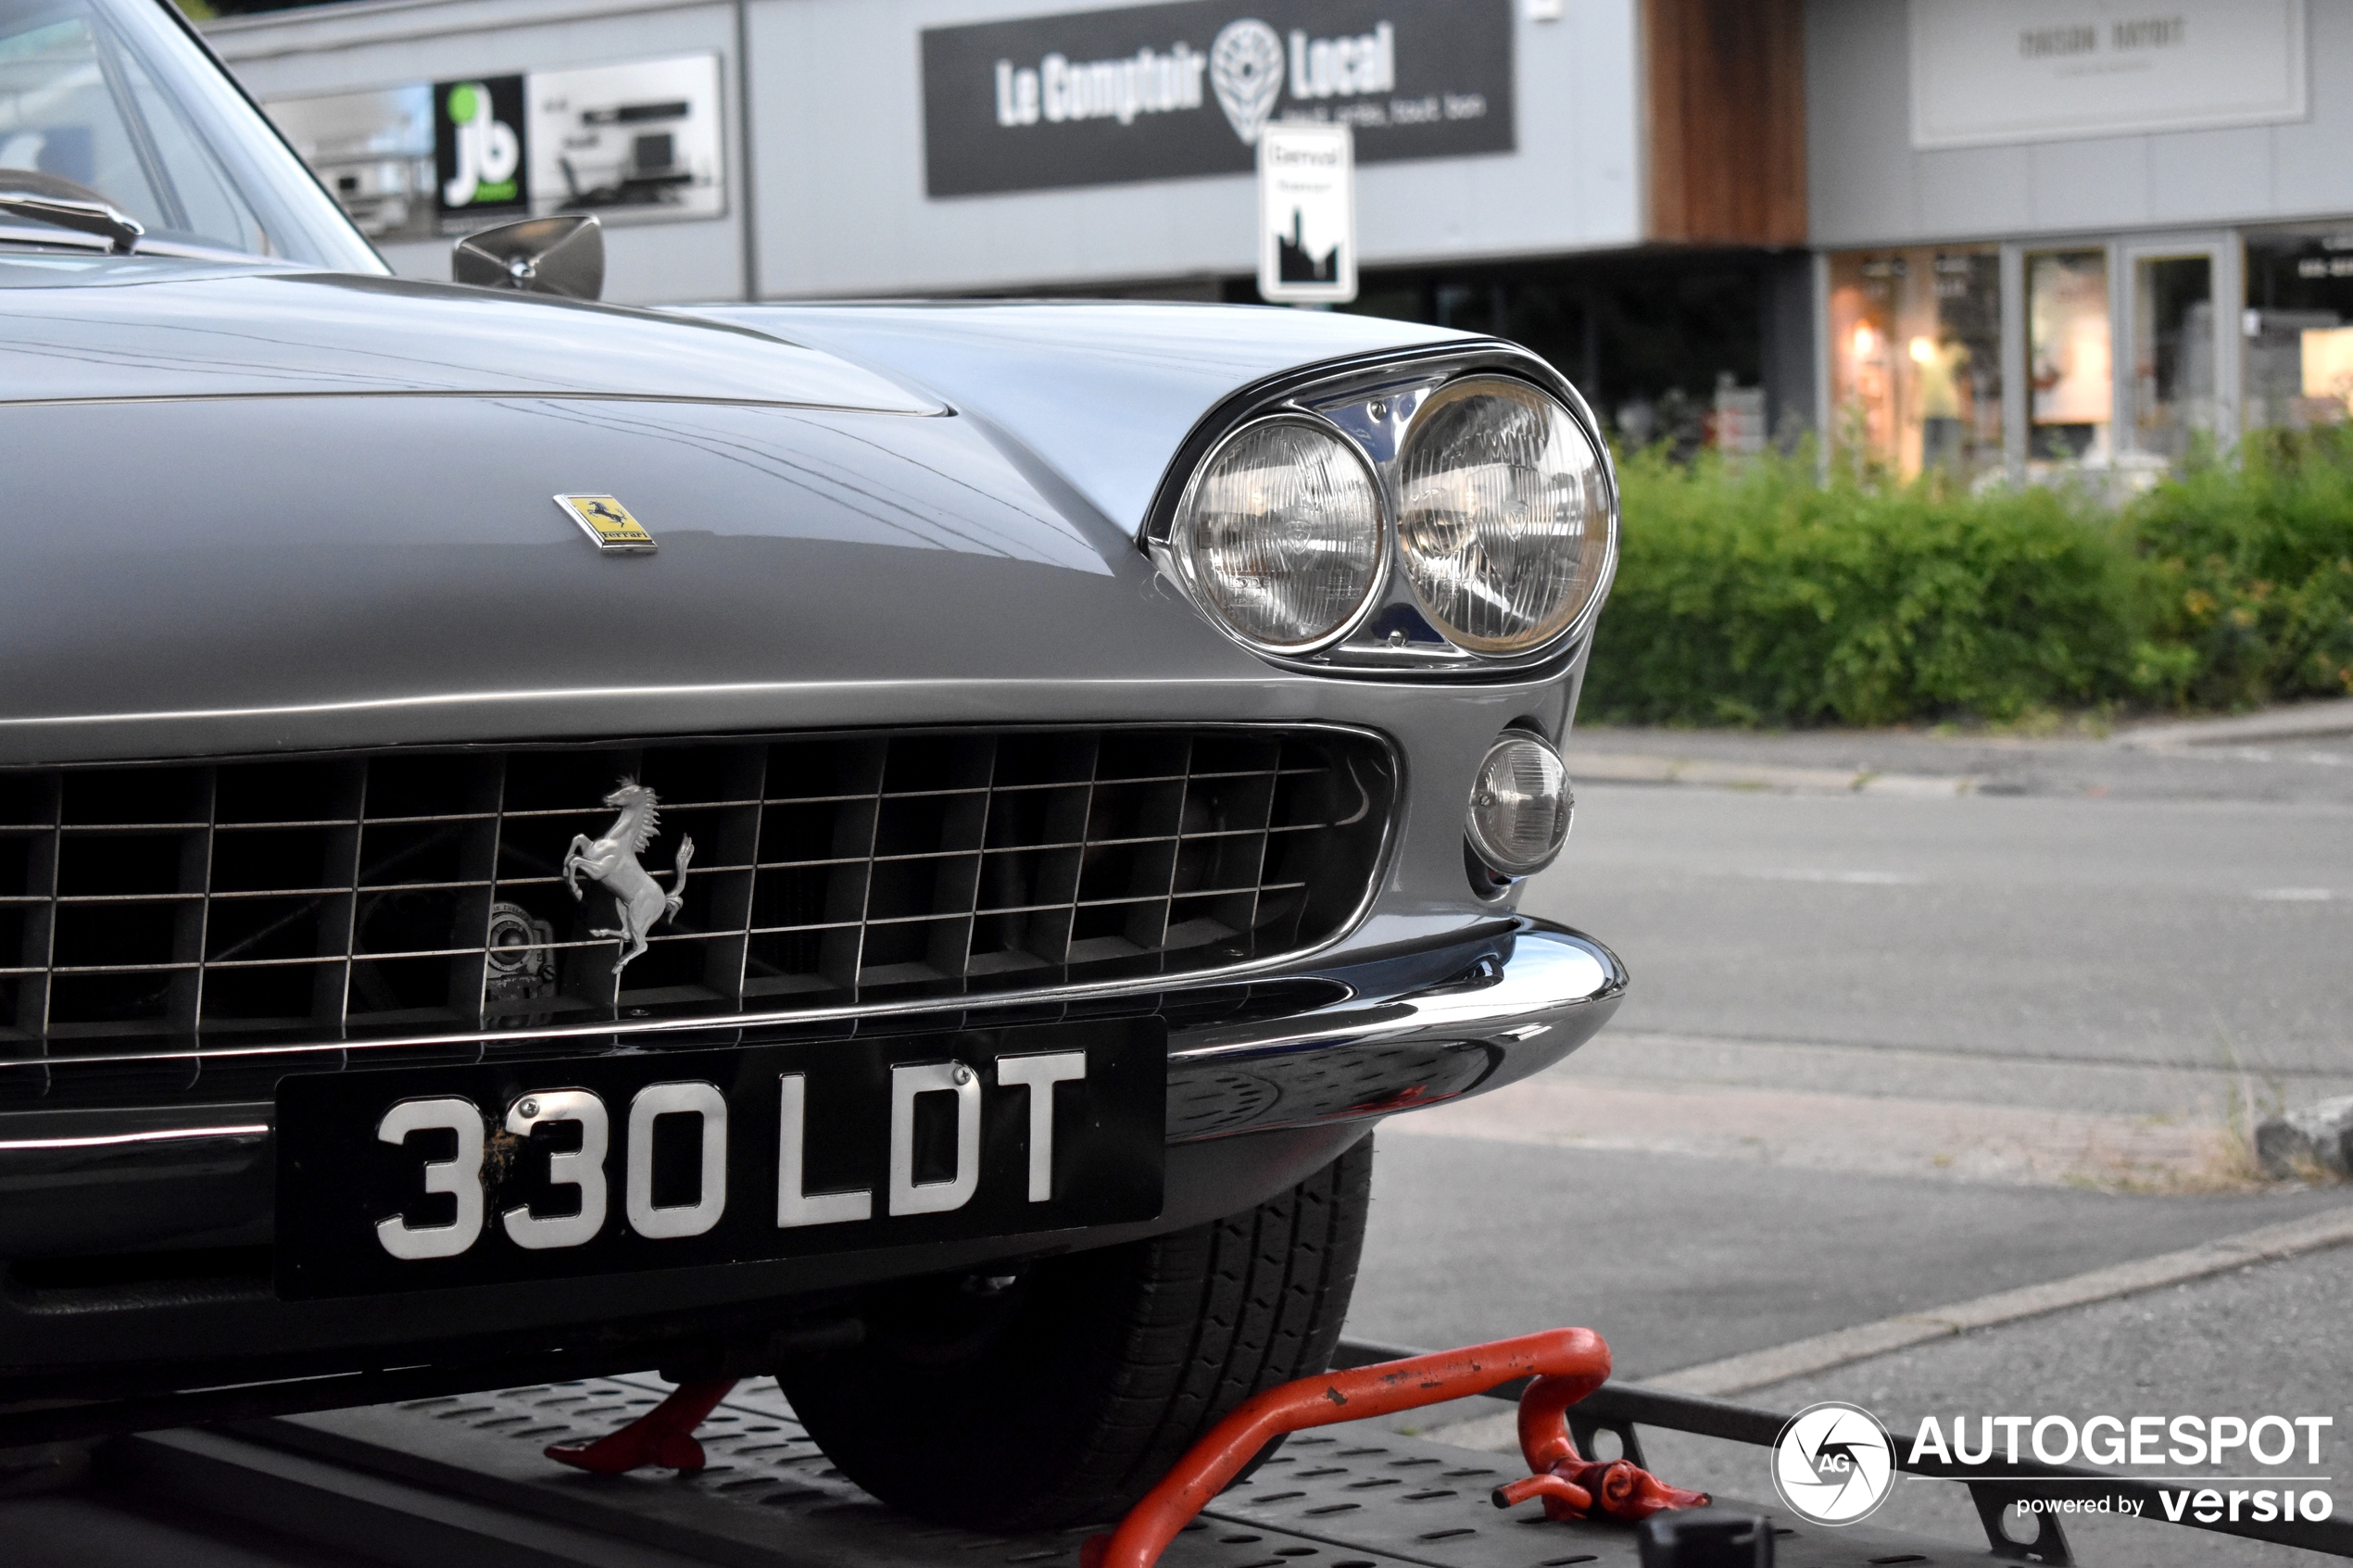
1306 213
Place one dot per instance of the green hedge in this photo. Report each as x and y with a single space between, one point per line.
1756 595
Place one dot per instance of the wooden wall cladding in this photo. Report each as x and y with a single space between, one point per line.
1726 120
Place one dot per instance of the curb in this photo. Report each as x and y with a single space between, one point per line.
1756 1369
2303 720
1624 767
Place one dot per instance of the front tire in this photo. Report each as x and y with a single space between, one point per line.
1061 1395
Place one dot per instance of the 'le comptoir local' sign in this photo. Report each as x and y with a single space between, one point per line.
1167 91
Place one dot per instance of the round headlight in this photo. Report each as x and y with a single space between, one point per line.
1280 534
1504 515
1519 806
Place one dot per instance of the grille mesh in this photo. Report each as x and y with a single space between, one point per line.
154 910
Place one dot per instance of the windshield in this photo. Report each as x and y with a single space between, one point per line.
110 102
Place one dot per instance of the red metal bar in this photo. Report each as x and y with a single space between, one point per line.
1561 1359
663 1436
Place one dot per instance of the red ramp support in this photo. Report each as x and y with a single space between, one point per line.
1568 1364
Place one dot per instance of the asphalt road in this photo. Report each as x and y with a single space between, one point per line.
2205 932
2149 940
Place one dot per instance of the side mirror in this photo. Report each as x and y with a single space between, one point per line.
565 254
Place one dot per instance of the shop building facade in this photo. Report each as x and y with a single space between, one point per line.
2075 234
1966 235
1621 180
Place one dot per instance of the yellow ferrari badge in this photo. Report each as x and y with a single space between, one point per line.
608 522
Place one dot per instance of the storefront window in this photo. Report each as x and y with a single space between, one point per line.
2299 327
2173 353
1915 358
2067 357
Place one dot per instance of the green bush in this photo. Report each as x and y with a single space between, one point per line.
2248 574
1758 595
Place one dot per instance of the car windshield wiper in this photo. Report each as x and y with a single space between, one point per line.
107 223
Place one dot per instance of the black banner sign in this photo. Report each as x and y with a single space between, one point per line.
1163 91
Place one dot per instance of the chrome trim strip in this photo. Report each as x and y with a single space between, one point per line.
505 395
110 1140
592 693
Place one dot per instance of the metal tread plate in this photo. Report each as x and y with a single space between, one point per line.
770 1499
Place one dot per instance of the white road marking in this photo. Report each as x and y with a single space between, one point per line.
2294 895
1853 879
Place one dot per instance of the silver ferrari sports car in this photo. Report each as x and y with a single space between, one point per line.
903 847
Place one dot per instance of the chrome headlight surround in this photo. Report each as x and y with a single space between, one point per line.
1212 587
1375 401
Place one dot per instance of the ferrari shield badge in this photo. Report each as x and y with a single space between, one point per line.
608 522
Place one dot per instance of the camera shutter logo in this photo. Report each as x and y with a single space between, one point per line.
1833 1463
1246 72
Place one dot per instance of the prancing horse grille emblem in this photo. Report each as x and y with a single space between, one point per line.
607 521
612 862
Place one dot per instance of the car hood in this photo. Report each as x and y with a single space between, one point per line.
1102 389
131 328
249 513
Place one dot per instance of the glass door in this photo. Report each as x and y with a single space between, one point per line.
2172 397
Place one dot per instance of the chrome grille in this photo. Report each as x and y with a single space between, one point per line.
151 909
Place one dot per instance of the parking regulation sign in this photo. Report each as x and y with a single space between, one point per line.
1306 213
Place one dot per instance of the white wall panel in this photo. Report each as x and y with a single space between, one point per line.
300 54
1868 184
839 158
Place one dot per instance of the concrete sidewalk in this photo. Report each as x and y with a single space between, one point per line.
2298 752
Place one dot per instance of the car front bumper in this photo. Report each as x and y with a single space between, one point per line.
1253 1106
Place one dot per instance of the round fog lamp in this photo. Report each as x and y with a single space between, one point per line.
1519 806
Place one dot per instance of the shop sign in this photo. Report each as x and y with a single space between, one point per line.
638 140
1988 71
477 149
1306 214
1170 91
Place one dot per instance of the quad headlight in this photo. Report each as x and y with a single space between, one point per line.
1280 536
1448 513
1504 515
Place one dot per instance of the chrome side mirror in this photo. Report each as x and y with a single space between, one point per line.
565 254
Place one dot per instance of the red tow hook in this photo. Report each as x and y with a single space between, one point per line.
1572 1486
663 1436
1568 1364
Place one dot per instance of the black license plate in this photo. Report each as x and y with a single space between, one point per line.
526 1170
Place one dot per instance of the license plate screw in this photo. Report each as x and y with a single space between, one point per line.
527 1108
963 1074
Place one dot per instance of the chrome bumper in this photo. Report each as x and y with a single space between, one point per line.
1534 993
1413 1029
